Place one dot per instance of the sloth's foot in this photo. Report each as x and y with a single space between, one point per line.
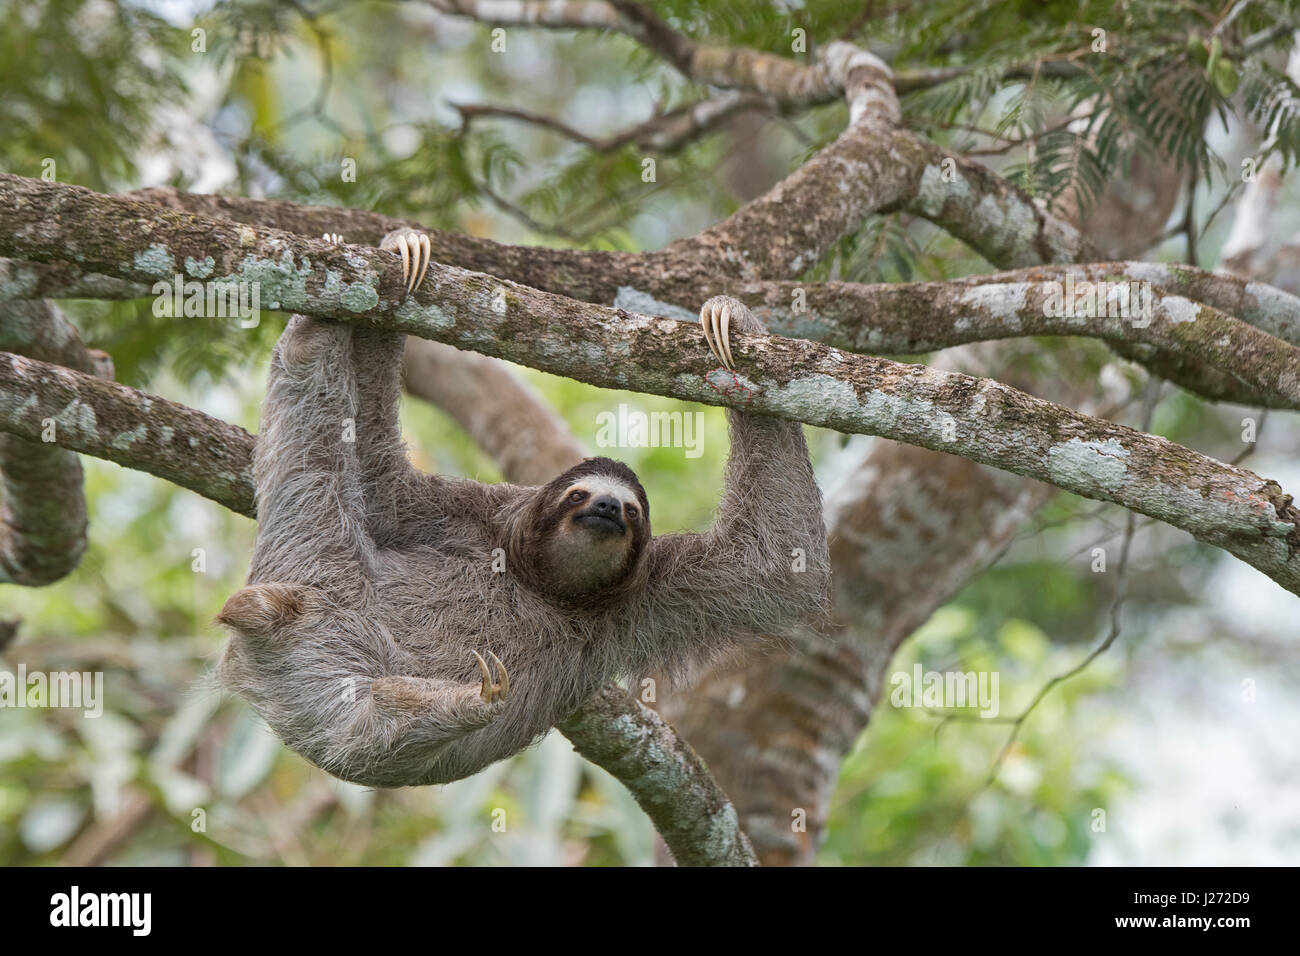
333 238
414 250
444 708
718 316
492 690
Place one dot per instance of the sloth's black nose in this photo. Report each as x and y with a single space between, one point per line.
606 506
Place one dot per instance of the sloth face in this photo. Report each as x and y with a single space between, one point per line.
588 531
590 545
603 507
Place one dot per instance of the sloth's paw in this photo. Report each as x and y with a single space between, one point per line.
718 316
414 250
493 690
450 708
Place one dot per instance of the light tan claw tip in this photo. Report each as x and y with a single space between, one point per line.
485 691
333 238
715 318
505 678
492 690
415 251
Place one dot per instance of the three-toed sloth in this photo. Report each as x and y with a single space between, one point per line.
404 628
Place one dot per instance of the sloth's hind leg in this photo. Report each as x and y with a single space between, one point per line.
437 709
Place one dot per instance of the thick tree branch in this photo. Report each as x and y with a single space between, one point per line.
778 235
995 218
136 430
872 166
42 508
1214 355
787 230
1267 307
1193 344
977 419
668 779
61 280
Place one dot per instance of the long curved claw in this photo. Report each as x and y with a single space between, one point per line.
717 317
416 253
708 322
492 689
427 254
724 335
485 691
406 263
333 238
505 678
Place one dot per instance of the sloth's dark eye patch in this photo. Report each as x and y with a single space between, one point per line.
577 496
631 511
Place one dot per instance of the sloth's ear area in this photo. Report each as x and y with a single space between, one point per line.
262 609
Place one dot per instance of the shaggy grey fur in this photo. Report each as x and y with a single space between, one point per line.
372 584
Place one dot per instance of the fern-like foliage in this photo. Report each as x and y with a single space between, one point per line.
1273 101
1073 91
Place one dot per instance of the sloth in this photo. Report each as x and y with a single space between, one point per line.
401 628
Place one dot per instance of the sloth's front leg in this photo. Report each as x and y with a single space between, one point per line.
396 495
439 708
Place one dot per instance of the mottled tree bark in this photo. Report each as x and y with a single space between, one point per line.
670 782
42 508
1193 344
134 429
979 419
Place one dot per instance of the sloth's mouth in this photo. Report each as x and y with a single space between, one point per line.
602 523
